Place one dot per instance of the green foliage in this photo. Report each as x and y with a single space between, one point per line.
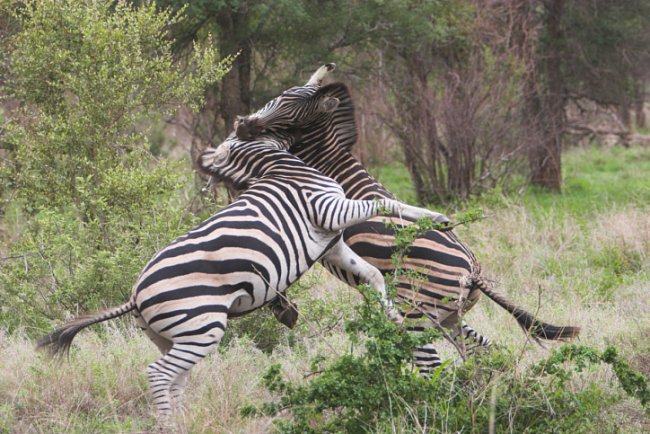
604 48
92 76
633 382
355 392
372 391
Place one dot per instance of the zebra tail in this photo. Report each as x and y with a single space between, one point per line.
58 342
538 329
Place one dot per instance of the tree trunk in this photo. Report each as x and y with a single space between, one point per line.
639 112
235 85
624 114
545 157
640 117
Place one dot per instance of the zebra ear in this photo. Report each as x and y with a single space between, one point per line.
247 128
317 77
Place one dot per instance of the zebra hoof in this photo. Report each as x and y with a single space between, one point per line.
443 221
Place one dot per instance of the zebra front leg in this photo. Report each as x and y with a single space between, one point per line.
344 213
343 257
413 212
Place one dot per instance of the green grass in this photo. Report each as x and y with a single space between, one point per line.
595 179
397 179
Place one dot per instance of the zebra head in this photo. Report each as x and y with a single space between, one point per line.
240 163
294 107
323 114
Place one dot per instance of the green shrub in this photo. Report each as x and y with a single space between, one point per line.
374 391
95 204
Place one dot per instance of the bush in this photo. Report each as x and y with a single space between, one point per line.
94 203
375 391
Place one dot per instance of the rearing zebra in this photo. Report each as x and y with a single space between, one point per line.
451 274
238 260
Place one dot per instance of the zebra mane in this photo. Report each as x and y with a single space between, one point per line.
241 163
341 122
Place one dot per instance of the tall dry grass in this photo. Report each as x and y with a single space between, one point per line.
592 274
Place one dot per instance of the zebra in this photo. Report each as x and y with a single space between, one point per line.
238 260
452 280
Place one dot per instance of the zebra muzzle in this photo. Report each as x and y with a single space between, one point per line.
285 312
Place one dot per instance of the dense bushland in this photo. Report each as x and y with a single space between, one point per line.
85 201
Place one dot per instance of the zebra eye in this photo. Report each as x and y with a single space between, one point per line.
219 157
328 104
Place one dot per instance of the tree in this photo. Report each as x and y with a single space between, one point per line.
545 97
593 49
95 202
454 96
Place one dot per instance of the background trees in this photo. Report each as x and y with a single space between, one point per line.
468 94
467 90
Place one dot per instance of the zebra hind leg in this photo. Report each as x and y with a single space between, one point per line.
470 338
168 375
177 391
426 360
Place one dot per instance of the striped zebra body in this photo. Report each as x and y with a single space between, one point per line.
451 282
238 260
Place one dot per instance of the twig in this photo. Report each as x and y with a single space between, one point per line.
6 258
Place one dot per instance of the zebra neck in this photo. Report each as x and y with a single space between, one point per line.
282 163
349 173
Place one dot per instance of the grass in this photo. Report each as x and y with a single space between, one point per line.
580 257
597 179
594 178
397 179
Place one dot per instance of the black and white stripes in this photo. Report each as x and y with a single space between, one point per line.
451 282
241 258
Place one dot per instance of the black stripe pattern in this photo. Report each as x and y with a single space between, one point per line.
237 261
442 260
